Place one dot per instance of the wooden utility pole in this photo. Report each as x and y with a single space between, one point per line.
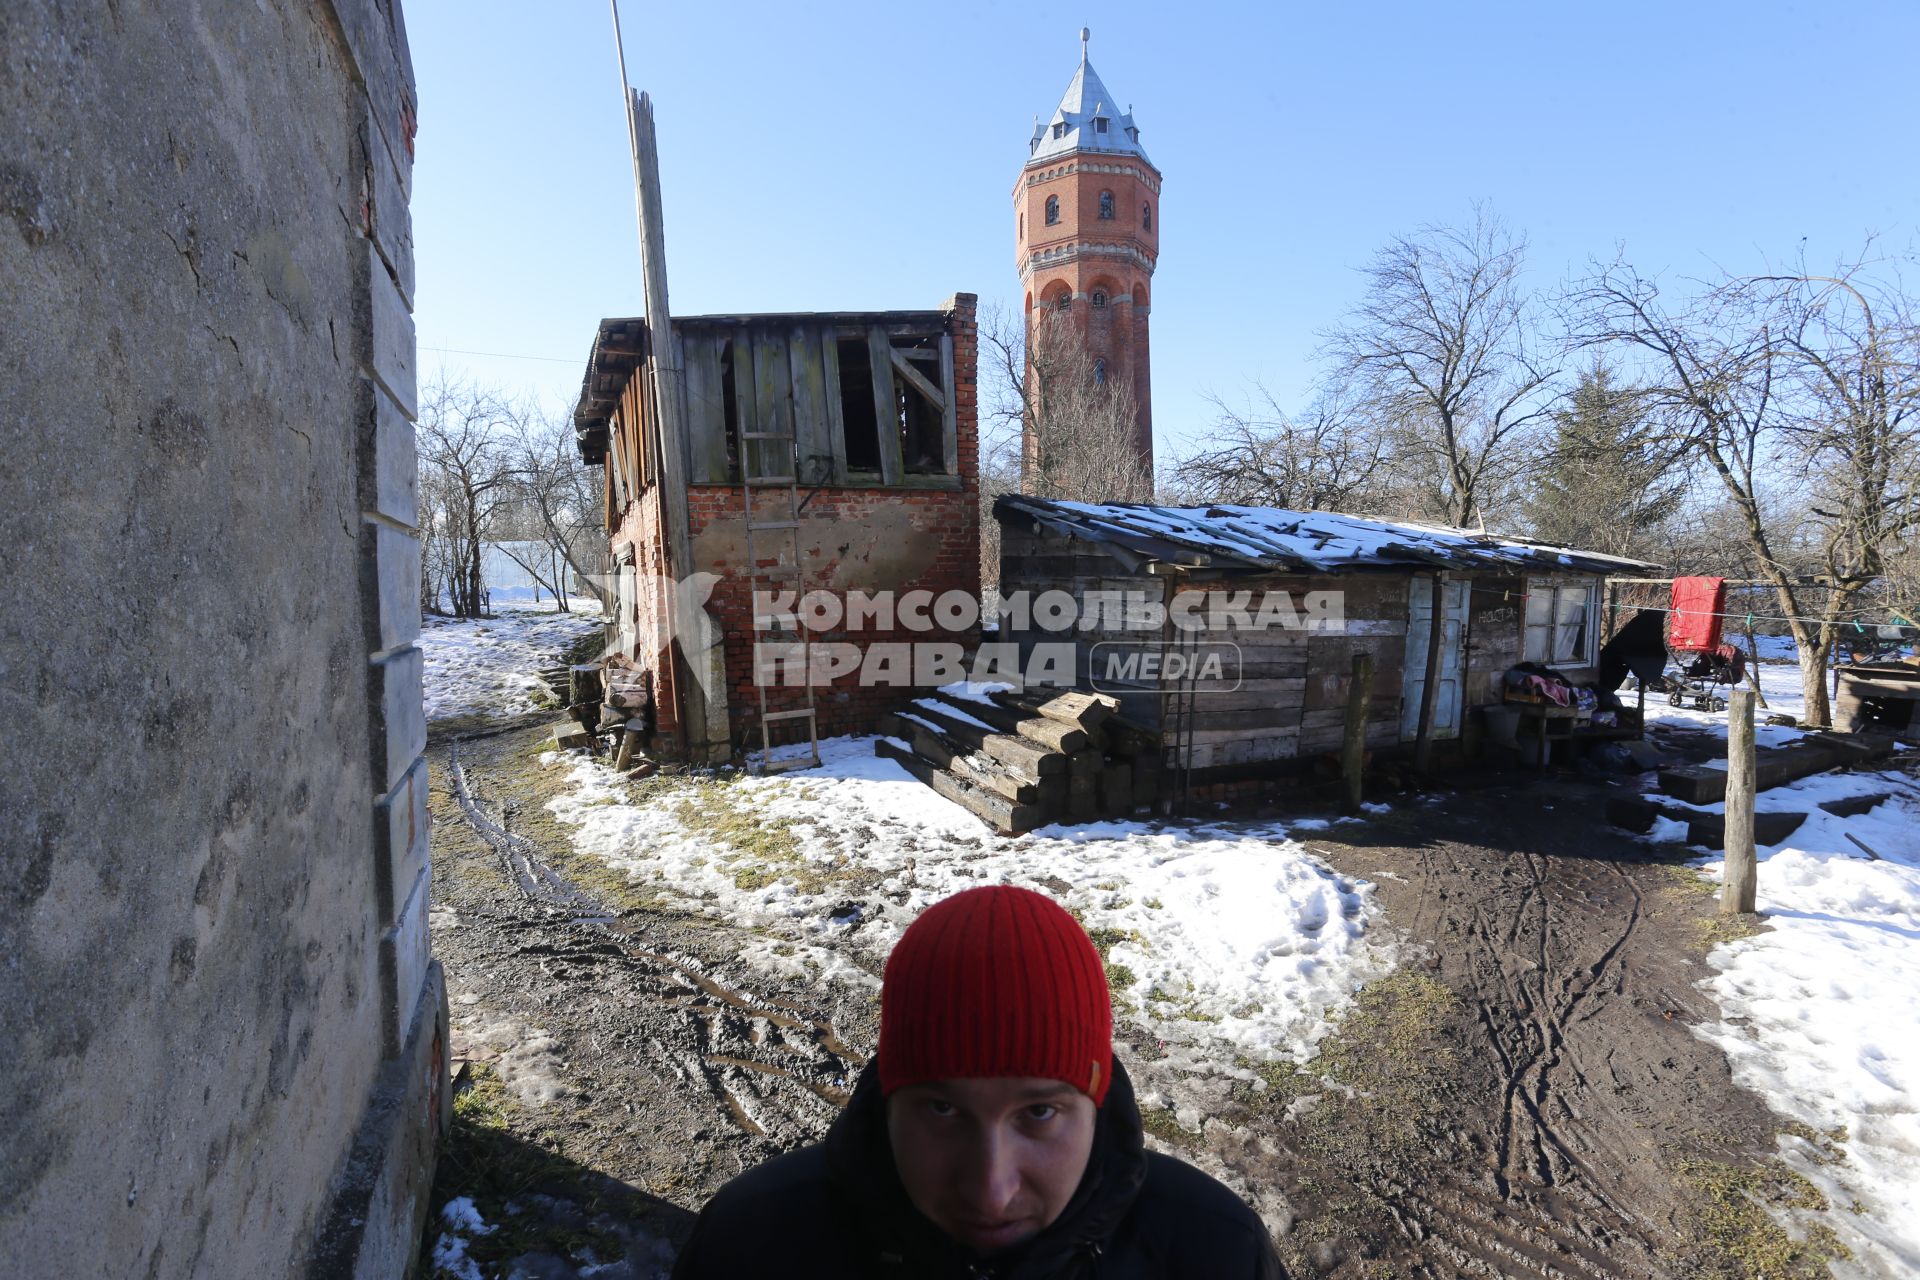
1430 691
1742 879
669 396
1353 747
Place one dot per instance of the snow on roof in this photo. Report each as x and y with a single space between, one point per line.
1272 538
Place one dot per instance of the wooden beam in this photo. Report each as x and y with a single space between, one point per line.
836 421
916 379
949 414
886 408
670 397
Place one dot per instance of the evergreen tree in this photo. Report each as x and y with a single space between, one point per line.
1611 480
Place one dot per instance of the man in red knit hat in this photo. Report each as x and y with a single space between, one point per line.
993 1135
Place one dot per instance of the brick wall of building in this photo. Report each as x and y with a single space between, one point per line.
851 539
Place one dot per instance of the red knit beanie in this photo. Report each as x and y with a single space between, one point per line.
996 981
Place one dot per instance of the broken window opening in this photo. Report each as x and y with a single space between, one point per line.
861 430
1060 130
1053 210
923 447
1146 217
1106 206
1099 373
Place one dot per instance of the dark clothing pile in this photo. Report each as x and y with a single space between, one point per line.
837 1211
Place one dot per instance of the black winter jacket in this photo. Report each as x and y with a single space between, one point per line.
837 1211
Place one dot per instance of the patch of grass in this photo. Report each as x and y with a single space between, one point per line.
449 726
1154 904
770 846
492 1154
1681 876
1829 1145
1718 929
1162 1124
1738 1224
1104 938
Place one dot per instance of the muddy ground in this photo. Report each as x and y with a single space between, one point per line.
1523 1098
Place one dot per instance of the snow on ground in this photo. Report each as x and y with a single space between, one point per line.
1779 683
1225 933
1820 1013
491 666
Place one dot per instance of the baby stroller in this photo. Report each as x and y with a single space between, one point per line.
1705 674
1707 667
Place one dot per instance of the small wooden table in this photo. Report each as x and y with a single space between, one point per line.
1554 723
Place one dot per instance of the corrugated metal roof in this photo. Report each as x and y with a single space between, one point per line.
1274 539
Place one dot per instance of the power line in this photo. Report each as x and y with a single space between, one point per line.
502 355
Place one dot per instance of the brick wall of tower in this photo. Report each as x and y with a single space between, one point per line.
1067 257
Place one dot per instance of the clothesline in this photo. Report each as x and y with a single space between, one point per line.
1616 606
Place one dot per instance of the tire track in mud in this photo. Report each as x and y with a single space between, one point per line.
776 1071
1535 957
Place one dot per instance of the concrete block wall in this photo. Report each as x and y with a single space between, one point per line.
222 1036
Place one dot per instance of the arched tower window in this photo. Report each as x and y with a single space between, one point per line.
1053 210
1023 226
1106 205
1099 373
1099 297
1146 217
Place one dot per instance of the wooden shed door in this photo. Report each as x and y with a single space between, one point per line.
1446 710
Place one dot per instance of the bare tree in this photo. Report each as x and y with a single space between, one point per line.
1077 427
466 478
1440 355
1813 376
1327 459
561 506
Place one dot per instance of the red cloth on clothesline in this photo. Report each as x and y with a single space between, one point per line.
1697 606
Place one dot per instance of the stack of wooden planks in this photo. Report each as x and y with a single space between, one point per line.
1020 761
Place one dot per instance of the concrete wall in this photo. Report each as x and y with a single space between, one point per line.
221 1032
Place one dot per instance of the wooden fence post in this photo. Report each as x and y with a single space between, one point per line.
1353 747
1742 874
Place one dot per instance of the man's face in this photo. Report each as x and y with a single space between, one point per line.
991 1162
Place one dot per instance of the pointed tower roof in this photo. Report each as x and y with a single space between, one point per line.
1087 119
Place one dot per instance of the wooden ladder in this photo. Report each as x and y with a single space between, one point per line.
789 570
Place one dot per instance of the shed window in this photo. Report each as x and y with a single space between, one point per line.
1560 631
1106 205
1053 210
1099 124
1060 130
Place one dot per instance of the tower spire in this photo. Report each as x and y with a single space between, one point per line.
1085 35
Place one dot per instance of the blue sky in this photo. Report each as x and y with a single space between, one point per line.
827 157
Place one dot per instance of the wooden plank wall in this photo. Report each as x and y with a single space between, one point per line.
786 377
1291 692
1037 562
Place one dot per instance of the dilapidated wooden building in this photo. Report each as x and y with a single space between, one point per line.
823 452
1328 586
